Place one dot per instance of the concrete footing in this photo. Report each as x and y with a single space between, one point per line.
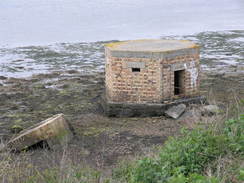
131 110
55 131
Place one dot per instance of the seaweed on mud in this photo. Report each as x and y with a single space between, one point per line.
72 82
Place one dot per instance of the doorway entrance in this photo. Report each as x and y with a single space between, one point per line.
179 77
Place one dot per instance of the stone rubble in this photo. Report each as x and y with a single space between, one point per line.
210 110
176 111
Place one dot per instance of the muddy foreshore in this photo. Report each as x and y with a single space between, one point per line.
74 88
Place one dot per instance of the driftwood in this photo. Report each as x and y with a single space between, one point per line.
54 130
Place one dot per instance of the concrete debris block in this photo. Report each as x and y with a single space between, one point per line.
54 130
175 111
210 110
192 114
191 117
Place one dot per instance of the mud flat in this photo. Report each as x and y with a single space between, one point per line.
73 81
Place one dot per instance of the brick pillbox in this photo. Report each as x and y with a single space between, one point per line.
145 77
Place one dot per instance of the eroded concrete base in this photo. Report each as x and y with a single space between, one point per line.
131 110
54 130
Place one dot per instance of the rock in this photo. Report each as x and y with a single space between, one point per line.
3 77
210 110
65 86
191 117
72 71
175 111
54 130
19 67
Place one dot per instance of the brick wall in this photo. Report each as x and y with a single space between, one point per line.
155 81
190 65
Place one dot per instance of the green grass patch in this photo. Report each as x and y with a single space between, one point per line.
184 159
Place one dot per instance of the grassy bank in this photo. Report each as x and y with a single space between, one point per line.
209 154
212 154
73 82
206 155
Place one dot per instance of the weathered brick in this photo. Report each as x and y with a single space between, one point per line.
154 82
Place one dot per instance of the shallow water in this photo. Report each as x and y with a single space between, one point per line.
218 50
65 34
31 22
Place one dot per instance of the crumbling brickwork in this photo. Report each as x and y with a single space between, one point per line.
137 73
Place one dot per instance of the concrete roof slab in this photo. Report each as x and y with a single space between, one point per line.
151 45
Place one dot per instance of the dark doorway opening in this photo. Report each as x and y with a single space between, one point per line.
179 82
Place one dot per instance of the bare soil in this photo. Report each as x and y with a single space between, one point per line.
99 141
73 84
